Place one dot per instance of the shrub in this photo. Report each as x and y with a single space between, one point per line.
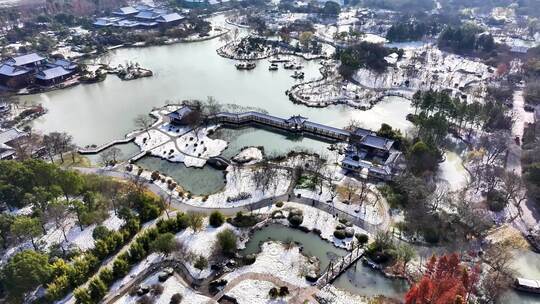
201 263
182 221
349 232
195 221
120 268
227 242
176 298
283 291
157 289
362 238
239 197
279 204
154 176
340 234
107 276
216 219
273 293
100 232
496 201
295 217
97 289
144 300
431 235
243 221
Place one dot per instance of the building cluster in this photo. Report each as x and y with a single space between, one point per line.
20 71
367 154
371 155
139 16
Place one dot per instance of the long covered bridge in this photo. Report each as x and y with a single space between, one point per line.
297 124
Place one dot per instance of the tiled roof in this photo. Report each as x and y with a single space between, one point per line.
128 10
25 59
147 15
52 73
169 17
9 70
66 64
377 142
10 134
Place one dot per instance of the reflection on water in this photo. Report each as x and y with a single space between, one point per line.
199 181
358 279
527 265
97 113
272 141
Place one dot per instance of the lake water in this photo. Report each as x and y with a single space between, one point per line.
98 113
358 279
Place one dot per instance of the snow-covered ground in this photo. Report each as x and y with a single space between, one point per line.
181 144
430 68
240 180
334 295
173 285
255 292
275 259
249 156
315 219
201 243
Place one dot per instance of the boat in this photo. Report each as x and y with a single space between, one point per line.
278 60
527 285
288 66
298 75
245 66
273 67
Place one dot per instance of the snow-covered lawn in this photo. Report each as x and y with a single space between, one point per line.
334 295
249 156
275 259
430 68
191 147
201 243
315 219
255 292
240 180
172 286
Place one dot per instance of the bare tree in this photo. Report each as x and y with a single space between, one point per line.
515 192
498 278
144 122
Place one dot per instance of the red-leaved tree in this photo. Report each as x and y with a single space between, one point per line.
446 281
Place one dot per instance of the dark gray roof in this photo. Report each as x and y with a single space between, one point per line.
10 135
362 132
180 113
52 73
297 119
327 128
25 59
149 15
127 10
9 70
169 17
127 23
377 142
66 64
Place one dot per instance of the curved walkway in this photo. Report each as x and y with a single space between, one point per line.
229 211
